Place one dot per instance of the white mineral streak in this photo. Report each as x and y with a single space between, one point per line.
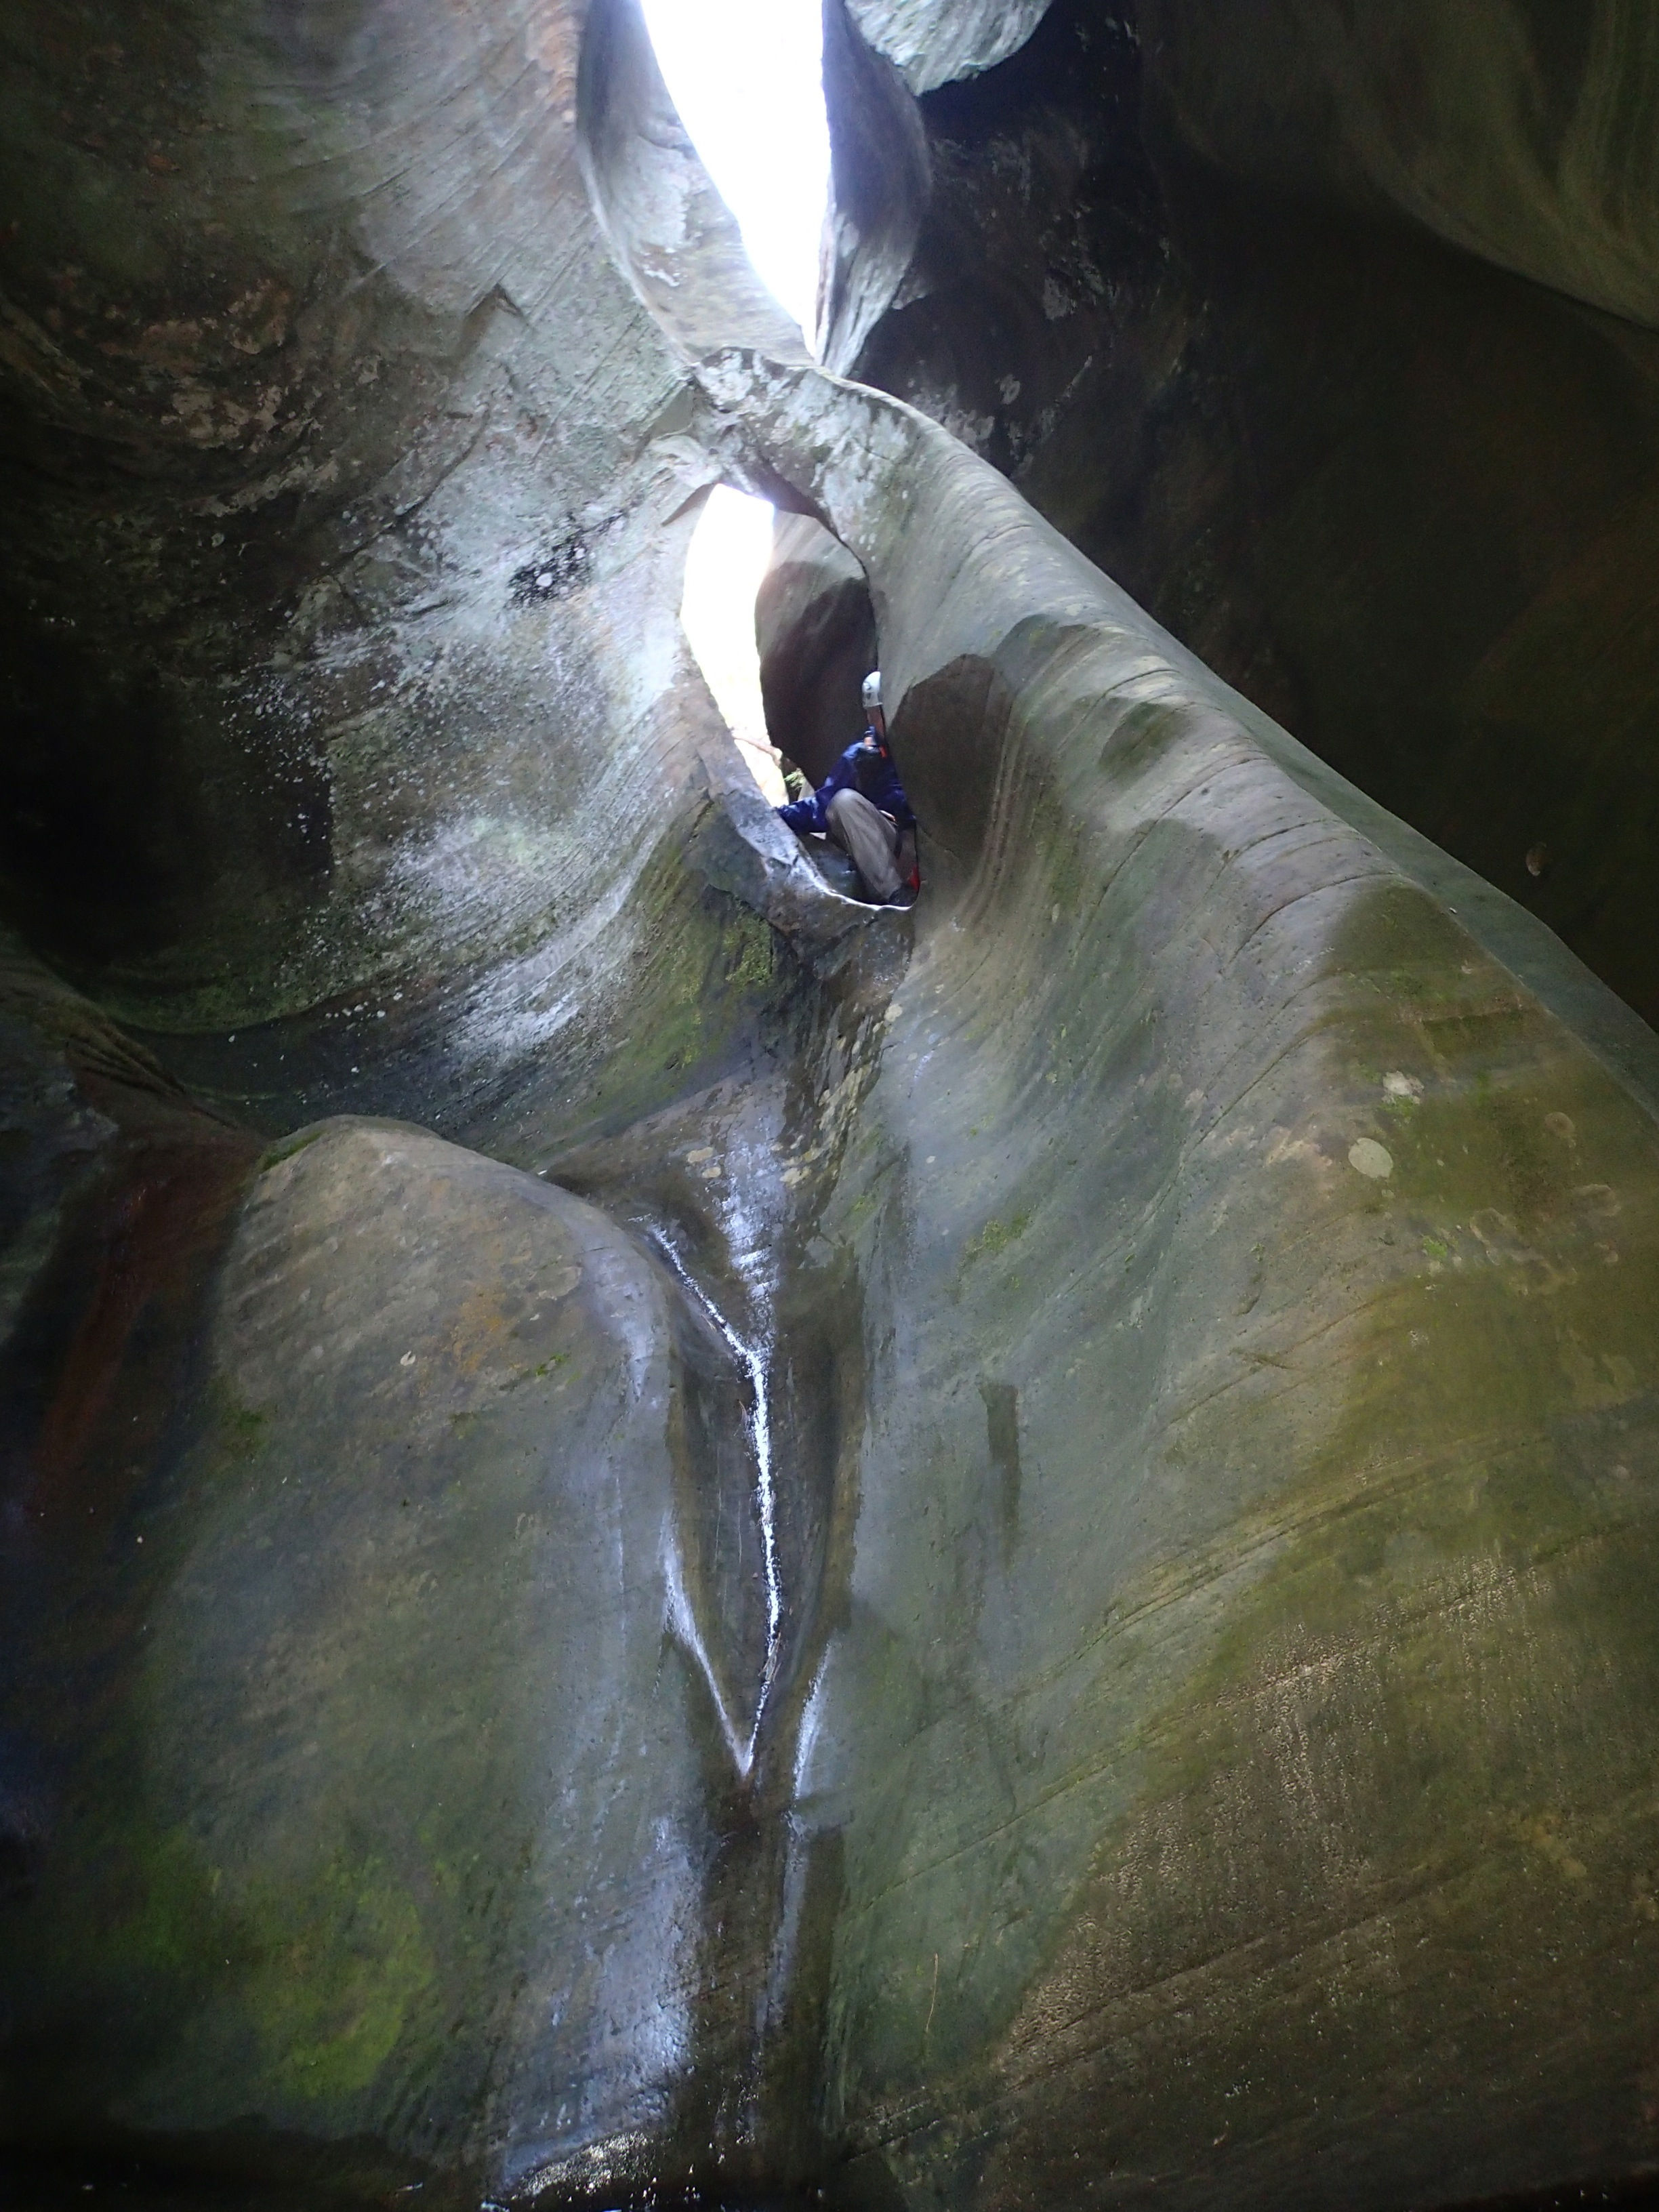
753 1358
683 1620
806 1737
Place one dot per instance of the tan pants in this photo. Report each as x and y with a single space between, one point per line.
869 839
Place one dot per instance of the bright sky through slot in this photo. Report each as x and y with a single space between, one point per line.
730 549
747 78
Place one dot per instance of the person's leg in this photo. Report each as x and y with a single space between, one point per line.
866 834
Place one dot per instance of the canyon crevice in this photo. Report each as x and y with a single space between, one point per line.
669 1537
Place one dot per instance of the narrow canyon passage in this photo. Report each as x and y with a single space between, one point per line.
670 1539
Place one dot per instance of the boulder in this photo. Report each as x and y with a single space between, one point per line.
373 1718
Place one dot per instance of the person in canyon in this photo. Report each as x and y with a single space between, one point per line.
862 806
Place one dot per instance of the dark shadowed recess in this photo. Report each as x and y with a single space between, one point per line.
78 2185
1404 499
879 184
815 630
110 833
34 2185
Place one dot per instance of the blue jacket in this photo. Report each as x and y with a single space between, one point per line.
859 769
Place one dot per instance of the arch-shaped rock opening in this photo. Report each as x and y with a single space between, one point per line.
816 623
724 566
815 626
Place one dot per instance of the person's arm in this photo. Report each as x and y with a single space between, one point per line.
811 817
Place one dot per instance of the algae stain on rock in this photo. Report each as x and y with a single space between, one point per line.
333 1989
990 1243
306 1985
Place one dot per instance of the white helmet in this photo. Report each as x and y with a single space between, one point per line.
872 691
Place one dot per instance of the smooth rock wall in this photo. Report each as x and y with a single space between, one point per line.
1522 134
1238 1740
344 1801
386 1651
1170 1711
350 731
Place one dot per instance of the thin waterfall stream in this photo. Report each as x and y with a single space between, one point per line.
752 1359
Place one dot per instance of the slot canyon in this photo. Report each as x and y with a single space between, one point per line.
674 1541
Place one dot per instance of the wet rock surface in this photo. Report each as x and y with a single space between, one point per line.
1222 1135
356 1640
666 1539
347 500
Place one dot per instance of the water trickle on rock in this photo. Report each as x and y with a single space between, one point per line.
753 1358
